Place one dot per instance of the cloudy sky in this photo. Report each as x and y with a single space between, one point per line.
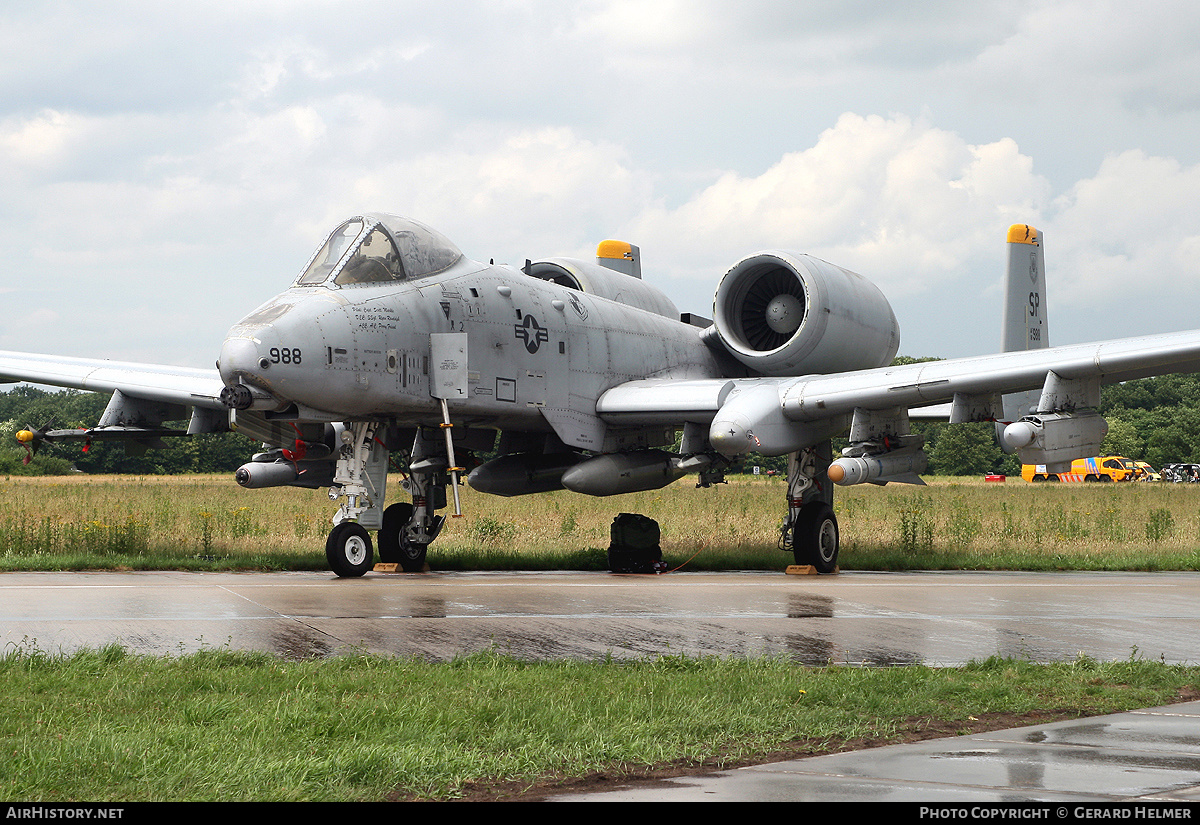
165 167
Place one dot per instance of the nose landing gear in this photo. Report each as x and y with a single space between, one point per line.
405 529
361 478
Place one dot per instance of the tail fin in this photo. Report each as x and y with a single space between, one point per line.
1024 325
620 256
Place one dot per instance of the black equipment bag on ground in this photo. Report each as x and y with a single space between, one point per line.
634 547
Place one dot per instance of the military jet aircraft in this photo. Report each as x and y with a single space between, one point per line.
393 345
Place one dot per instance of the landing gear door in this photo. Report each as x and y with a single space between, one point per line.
449 357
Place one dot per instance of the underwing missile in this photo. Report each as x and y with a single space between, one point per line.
899 465
256 475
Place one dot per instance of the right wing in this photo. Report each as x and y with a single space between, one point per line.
188 386
143 396
1051 392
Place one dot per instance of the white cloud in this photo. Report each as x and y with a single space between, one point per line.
1083 51
527 193
905 203
39 141
1129 234
198 154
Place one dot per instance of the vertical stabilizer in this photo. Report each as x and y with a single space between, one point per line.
620 256
1024 324
1024 291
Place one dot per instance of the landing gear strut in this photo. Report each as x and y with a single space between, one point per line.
394 546
409 529
405 530
810 531
360 477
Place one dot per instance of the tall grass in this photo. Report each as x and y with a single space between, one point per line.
208 522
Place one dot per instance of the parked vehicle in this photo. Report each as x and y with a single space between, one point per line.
1100 468
1180 473
1146 472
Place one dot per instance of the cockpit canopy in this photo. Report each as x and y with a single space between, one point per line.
374 249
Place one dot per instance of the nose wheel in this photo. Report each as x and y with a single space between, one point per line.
348 550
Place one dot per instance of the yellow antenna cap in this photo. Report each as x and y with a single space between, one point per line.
614 249
1024 233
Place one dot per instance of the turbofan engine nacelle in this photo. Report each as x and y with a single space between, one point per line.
783 313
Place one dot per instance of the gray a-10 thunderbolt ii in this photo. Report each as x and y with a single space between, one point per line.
393 344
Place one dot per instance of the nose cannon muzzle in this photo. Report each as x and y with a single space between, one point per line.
237 397
241 362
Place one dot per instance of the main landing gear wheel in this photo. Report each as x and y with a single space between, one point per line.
348 550
393 547
815 537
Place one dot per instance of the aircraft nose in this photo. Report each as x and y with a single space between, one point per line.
240 358
241 366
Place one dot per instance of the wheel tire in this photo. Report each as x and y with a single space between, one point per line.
392 546
395 519
815 537
348 550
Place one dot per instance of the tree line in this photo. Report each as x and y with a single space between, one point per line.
1152 419
25 407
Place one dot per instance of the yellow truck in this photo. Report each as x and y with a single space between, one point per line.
1100 468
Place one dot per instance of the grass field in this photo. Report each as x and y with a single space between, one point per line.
222 725
208 522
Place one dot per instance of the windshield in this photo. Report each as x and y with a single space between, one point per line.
375 260
329 254
374 249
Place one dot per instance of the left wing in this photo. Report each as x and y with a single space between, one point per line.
774 416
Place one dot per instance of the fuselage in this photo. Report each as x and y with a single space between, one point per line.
538 354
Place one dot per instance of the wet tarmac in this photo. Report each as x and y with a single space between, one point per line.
851 618
1139 765
1148 759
